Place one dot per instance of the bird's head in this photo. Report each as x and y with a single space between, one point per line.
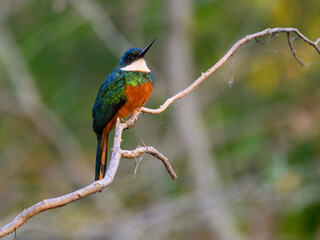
133 59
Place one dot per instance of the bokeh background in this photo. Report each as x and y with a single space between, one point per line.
247 155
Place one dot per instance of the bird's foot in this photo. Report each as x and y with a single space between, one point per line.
126 122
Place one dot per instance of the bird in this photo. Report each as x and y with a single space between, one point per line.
127 88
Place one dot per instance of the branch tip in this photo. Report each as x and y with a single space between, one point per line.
258 41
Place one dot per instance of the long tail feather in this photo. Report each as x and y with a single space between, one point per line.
98 158
101 157
104 156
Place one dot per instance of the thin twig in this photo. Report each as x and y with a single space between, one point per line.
258 41
231 71
294 51
137 163
143 143
152 151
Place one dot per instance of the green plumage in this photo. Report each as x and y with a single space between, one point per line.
109 100
111 96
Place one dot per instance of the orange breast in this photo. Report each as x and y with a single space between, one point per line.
136 97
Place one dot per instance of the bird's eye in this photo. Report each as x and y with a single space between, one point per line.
130 57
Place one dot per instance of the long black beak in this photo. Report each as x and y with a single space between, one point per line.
144 51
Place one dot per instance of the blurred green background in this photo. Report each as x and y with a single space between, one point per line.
247 156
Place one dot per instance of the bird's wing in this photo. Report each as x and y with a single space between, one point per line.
110 99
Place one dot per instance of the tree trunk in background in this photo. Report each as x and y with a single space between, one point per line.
191 131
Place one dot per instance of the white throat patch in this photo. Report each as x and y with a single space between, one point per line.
139 65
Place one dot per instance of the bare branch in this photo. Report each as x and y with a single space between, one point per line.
94 187
233 49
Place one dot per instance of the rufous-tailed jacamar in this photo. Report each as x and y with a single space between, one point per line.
127 88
